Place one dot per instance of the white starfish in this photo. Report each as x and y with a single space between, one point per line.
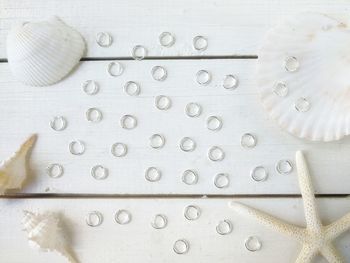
315 238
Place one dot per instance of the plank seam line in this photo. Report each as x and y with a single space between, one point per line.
4 60
160 196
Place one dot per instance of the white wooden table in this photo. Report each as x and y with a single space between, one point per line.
234 30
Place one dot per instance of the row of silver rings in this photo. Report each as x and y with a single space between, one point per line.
204 77
166 39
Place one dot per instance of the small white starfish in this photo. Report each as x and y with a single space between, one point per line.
315 238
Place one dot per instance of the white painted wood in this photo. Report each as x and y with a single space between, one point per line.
233 27
25 110
139 242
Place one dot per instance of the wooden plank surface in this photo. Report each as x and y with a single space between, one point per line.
138 241
232 27
27 110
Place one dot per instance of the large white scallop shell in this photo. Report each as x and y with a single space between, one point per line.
321 80
43 53
45 233
13 171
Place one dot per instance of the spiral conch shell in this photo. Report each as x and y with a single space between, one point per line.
13 171
303 76
43 53
45 233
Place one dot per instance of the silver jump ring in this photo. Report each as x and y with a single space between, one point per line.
224 227
162 102
104 39
284 167
181 246
230 82
157 141
132 88
190 177
291 64
193 109
119 149
159 73
302 105
93 115
115 69
248 140
99 172
222 180
214 123
253 244
55 170
153 174
187 144
122 217
139 52
200 43
166 39
259 174
94 219
90 87
159 222
215 153
192 212
203 77
128 122
58 123
77 147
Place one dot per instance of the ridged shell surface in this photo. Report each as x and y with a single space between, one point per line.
43 53
13 171
46 234
303 74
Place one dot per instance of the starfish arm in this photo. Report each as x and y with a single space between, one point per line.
306 254
310 209
338 227
270 221
331 254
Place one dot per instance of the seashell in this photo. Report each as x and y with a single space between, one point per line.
43 53
46 234
13 171
303 76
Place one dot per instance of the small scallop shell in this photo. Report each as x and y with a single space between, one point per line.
46 234
303 76
13 171
43 53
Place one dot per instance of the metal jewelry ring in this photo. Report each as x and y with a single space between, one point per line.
139 48
124 122
122 217
72 149
187 212
50 170
159 73
164 36
96 175
205 75
93 115
191 144
221 224
159 218
196 42
193 109
183 243
94 219
112 66
90 87
132 88
104 39
119 149
219 177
